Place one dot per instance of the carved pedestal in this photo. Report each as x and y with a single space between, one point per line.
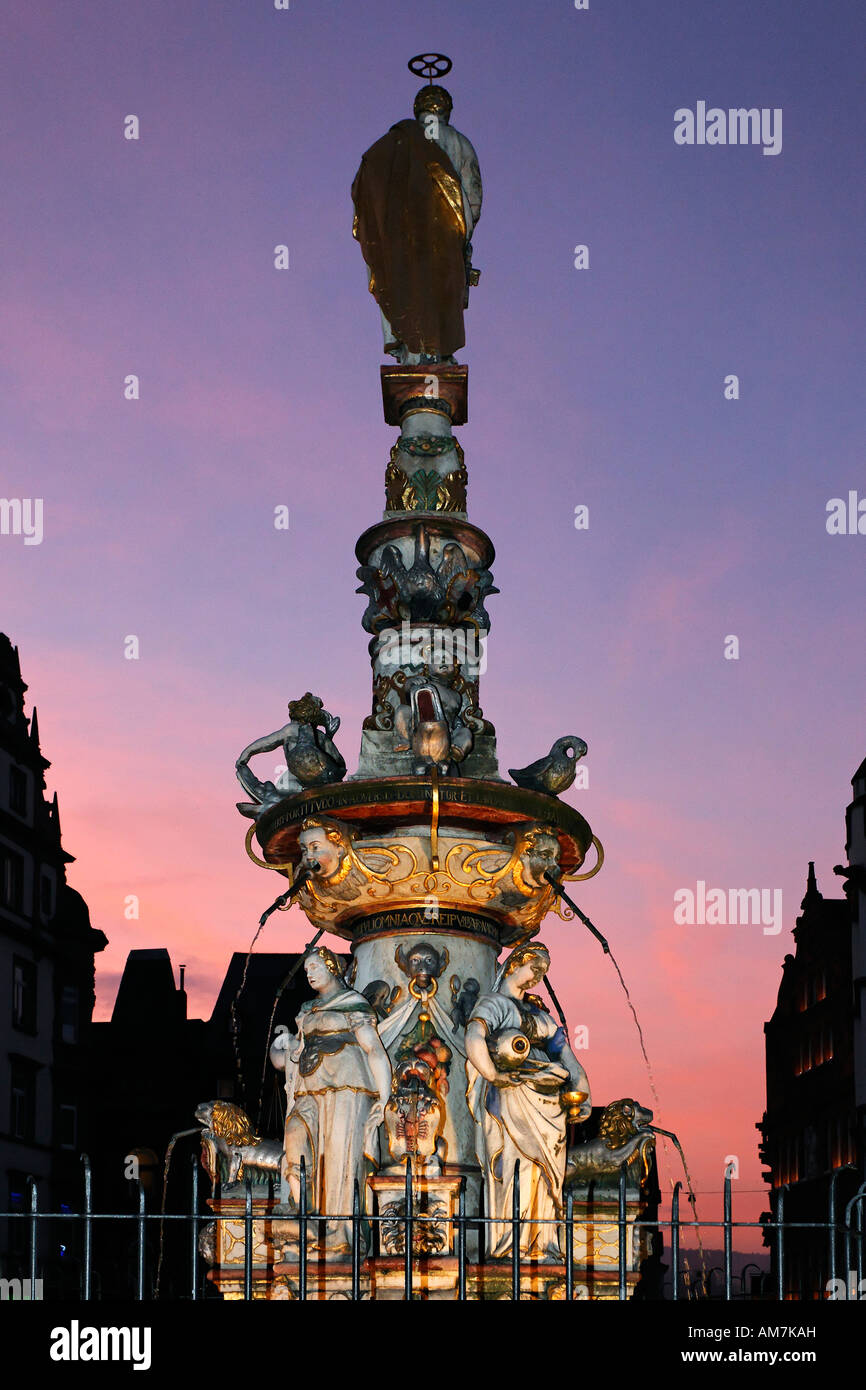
596 1237
434 1208
229 1243
439 385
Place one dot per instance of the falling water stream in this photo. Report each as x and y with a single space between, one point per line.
181 1134
693 1201
638 1027
282 902
233 1012
666 1134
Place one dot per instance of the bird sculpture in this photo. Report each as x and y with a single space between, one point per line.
453 591
422 588
555 773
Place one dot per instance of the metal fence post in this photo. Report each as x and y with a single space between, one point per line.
302 1231
569 1245
356 1242
31 1184
87 1268
780 1243
831 1214
515 1232
461 1242
248 1239
729 1234
193 1248
852 1209
622 1233
139 1249
409 1232
675 1239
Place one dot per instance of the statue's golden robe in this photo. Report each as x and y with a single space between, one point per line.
410 223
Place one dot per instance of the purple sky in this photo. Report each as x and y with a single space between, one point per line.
603 387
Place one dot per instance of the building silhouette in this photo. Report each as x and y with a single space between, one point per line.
151 1066
813 1126
854 877
47 948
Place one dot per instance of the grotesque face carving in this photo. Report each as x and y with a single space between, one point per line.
423 966
540 852
422 963
318 847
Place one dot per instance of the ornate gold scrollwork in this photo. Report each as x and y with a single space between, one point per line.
562 909
263 863
577 878
379 883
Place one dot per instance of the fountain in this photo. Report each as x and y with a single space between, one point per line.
440 1140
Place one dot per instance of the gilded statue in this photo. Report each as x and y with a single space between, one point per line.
417 197
524 1082
231 1149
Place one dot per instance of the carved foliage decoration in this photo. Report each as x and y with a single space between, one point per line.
425 490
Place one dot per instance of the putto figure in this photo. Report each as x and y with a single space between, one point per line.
417 198
338 1081
522 1079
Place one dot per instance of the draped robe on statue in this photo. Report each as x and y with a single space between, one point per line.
331 1091
525 1122
410 222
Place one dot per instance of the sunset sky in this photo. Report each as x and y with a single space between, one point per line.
602 387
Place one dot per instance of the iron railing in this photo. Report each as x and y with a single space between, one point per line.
842 1228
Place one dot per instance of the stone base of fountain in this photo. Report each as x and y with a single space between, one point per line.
435 1270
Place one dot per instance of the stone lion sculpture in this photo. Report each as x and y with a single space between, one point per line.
231 1148
624 1136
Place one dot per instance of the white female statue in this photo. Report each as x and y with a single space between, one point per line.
522 1077
338 1080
